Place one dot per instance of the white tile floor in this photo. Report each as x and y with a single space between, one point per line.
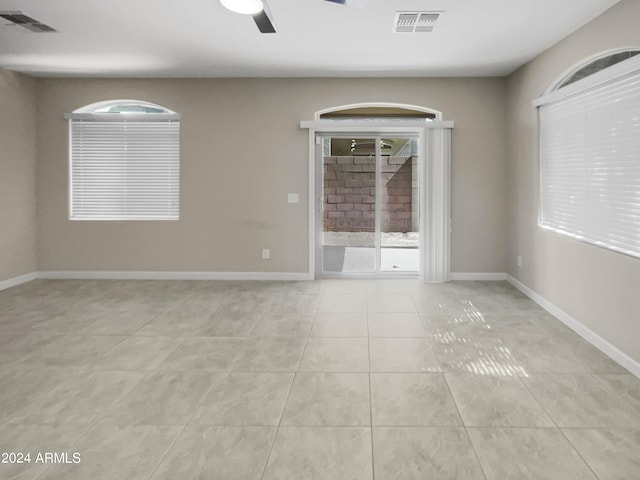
336 379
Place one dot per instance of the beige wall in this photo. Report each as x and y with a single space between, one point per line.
597 287
230 210
17 175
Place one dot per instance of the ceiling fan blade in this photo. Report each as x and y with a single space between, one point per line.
264 23
350 3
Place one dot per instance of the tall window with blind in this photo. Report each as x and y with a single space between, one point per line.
590 156
124 162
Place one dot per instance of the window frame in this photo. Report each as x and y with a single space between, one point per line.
559 93
90 113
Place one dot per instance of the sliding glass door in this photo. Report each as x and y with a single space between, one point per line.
368 205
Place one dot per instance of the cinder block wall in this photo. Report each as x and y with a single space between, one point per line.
349 193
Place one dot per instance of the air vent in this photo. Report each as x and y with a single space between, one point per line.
24 21
415 22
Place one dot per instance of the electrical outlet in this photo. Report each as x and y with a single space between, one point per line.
266 253
519 260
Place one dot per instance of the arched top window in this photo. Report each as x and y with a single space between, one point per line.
589 144
124 161
378 111
125 107
594 66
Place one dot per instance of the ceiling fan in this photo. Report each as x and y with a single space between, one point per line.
260 12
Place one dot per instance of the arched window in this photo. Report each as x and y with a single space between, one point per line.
589 150
125 106
124 161
378 111
595 66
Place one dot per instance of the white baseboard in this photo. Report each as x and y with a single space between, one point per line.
589 335
121 275
15 281
480 276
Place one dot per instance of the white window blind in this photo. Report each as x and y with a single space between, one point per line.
590 163
124 169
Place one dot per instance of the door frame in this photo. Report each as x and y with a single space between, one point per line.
435 185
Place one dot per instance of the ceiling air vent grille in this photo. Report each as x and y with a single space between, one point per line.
24 21
415 22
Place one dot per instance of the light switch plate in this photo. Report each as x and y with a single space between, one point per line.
293 198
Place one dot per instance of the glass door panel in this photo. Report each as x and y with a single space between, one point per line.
348 205
399 205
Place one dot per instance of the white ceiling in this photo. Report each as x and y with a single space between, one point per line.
200 38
